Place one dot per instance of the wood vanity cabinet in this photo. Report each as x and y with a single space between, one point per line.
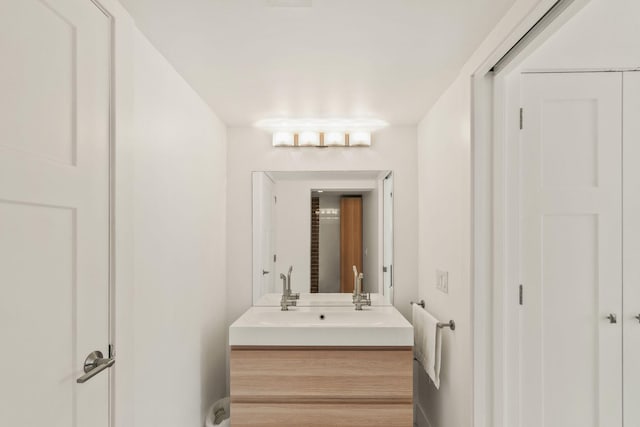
321 386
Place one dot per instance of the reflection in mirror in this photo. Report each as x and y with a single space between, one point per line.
322 224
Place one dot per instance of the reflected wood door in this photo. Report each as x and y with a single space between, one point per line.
350 240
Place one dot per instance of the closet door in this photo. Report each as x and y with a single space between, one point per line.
631 266
571 233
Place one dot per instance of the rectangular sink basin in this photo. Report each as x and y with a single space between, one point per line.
321 326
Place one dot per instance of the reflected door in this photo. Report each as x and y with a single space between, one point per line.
264 262
571 227
387 255
54 211
268 246
350 240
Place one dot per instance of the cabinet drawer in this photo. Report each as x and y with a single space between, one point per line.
321 415
294 375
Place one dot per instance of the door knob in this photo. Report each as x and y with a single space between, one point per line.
638 317
94 364
265 272
612 318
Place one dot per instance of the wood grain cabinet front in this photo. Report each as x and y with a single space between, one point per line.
321 415
320 386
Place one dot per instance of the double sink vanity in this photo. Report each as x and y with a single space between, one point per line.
328 349
321 365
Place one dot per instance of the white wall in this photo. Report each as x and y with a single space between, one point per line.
179 207
444 244
445 232
251 150
603 35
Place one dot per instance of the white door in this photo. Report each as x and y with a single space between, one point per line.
631 264
54 211
264 264
387 255
268 251
571 231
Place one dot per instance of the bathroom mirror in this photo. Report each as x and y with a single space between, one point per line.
322 223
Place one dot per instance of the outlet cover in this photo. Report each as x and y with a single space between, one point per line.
442 281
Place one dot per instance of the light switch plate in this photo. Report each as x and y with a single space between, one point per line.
442 281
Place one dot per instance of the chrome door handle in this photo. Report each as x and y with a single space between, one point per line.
265 272
93 365
612 318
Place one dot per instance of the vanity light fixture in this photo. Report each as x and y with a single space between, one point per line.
283 139
309 139
335 139
321 132
360 139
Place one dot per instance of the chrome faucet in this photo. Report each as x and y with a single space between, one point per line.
359 298
286 301
355 283
289 294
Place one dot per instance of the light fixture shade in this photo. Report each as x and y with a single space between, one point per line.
360 139
334 139
309 139
283 139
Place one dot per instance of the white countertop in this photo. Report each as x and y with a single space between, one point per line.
321 326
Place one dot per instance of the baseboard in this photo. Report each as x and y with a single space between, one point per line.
421 419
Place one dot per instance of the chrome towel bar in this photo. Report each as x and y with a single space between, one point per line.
451 324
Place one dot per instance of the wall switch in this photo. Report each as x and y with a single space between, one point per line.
442 281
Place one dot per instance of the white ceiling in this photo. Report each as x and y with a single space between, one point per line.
384 59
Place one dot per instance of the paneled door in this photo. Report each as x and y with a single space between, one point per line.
268 237
631 264
54 212
571 249
264 262
387 230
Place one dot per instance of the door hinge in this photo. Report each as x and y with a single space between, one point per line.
521 118
275 200
521 296
274 257
111 352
